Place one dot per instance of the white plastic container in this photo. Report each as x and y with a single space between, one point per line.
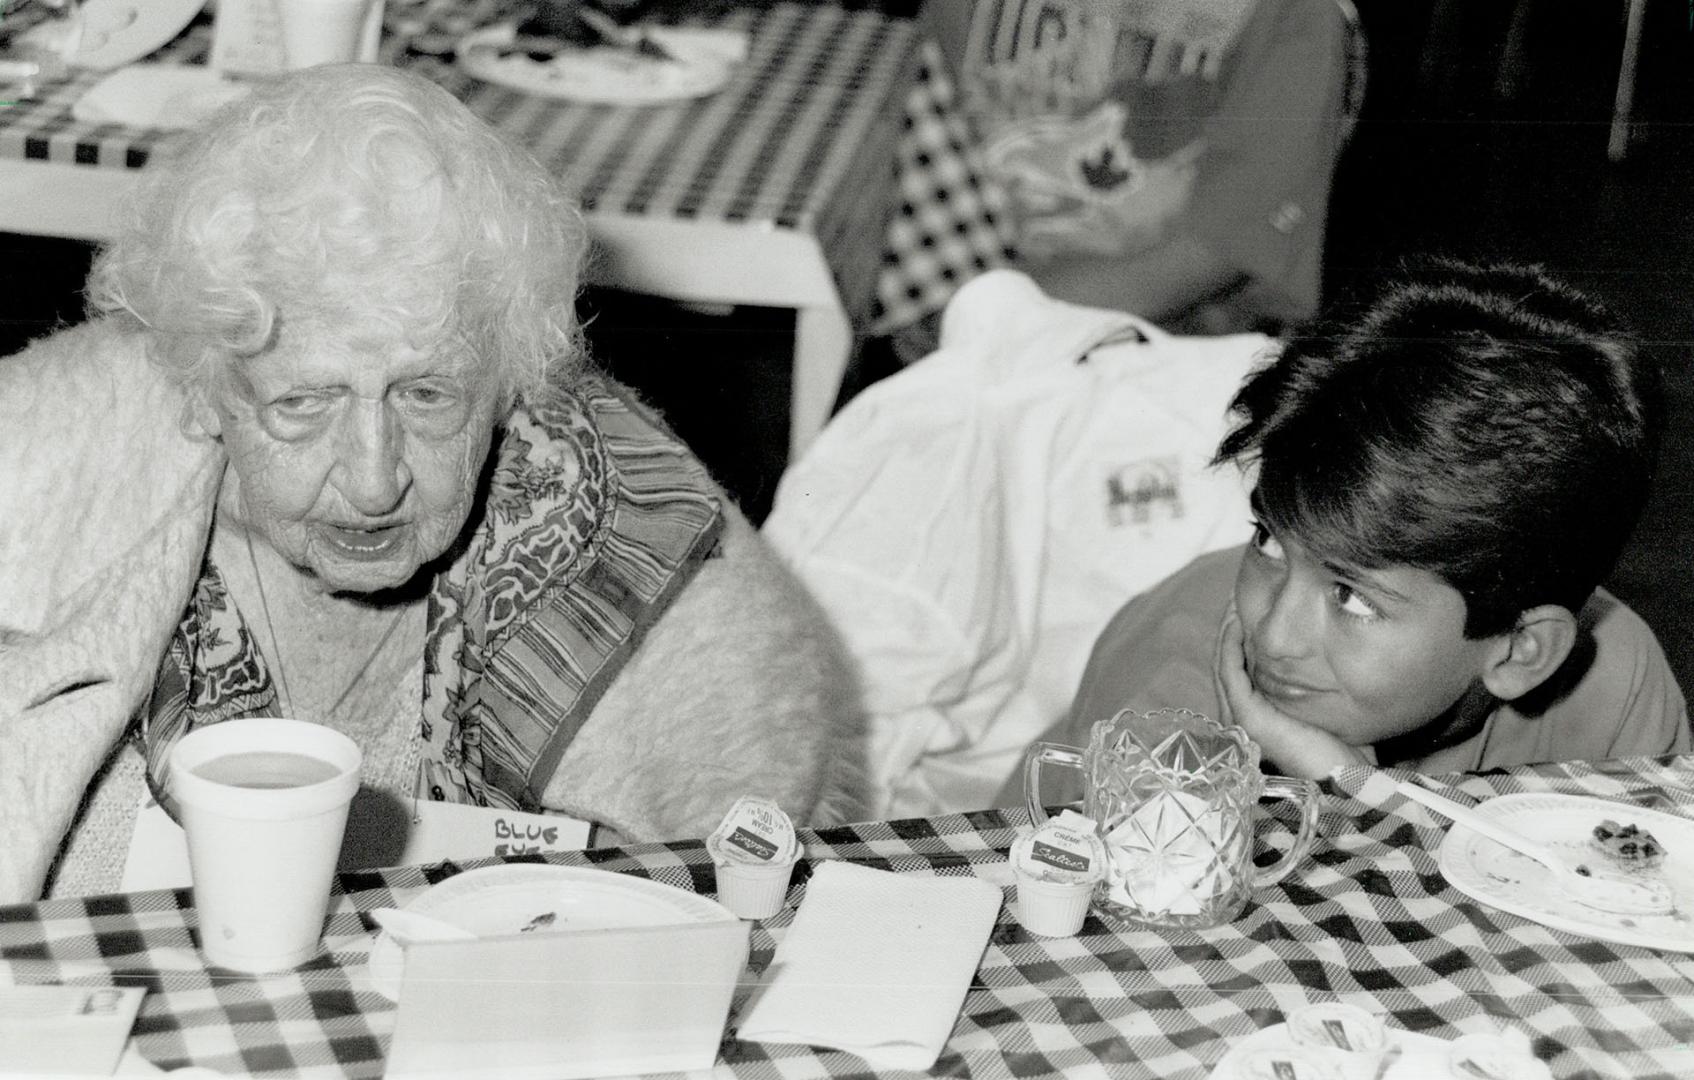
753 852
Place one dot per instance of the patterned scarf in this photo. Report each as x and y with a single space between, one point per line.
595 518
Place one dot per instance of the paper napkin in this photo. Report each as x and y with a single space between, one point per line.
876 964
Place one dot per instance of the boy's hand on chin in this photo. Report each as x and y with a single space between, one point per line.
1297 748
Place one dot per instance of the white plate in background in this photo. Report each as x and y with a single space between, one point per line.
119 32
1501 878
705 59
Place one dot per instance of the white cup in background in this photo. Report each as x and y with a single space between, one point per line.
329 31
264 803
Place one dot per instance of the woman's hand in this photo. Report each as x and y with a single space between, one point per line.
1296 748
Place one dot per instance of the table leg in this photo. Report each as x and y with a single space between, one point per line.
823 341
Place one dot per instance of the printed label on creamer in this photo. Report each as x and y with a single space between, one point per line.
755 845
1337 1033
1063 858
754 831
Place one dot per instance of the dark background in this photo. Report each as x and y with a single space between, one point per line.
1484 134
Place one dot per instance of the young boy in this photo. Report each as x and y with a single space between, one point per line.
1440 489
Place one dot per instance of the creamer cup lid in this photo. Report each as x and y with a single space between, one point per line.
1067 849
755 832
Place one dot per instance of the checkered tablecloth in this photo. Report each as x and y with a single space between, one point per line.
953 220
801 138
1368 917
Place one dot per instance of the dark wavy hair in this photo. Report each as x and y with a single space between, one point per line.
1485 423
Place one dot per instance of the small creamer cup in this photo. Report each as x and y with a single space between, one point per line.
1052 909
754 892
1056 868
264 804
753 852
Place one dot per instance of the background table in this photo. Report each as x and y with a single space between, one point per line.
1368 917
773 191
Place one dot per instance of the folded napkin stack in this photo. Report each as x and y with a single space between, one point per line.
876 964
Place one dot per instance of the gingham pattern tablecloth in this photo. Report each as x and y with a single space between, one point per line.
953 220
1367 918
801 138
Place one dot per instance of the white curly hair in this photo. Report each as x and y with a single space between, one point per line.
356 196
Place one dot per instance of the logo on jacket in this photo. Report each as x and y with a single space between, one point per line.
1143 491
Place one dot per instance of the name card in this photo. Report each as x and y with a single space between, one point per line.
457 831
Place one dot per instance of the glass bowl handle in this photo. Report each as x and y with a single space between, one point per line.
1039 754
1305 793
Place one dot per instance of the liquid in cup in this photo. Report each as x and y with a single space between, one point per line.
267 770
264 803
1175 795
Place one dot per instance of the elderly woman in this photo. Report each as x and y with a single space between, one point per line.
333 452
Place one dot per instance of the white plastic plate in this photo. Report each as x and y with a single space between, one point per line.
1501 878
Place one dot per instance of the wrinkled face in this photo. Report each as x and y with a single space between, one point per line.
1362 654
355 458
